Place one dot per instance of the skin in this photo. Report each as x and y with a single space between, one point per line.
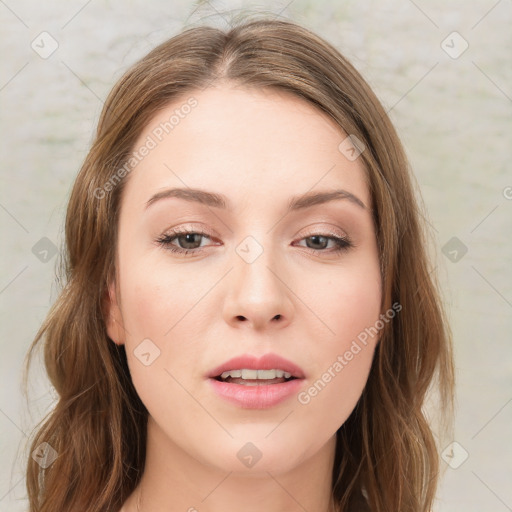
259 148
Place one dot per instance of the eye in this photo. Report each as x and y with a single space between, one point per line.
188 239
318 243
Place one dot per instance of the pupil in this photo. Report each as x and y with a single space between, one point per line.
315 238
187 239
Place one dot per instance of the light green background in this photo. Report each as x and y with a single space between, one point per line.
454 116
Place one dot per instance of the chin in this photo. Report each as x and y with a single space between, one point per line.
258 457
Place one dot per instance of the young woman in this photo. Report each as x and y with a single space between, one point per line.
249 320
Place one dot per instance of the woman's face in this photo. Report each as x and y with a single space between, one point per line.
268 271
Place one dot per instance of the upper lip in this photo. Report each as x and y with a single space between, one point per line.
267 362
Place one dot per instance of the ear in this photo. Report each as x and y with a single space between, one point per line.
112 315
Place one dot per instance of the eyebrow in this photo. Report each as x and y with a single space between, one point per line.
216 200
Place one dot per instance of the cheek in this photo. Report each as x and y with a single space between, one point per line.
161 304
342 361
358 302
155 298
348 303
155 304
346 300
332 395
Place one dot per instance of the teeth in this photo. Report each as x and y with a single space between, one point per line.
250 374
233 373
256 374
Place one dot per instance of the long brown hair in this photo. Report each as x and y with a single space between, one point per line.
386 453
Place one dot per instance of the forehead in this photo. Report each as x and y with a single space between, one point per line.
254 144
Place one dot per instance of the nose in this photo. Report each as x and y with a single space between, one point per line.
258 295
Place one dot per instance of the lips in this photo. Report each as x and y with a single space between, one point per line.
260 394
267 362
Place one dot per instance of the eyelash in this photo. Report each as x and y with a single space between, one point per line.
342 243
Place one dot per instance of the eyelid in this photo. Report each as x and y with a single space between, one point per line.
189 228
322 231
324 228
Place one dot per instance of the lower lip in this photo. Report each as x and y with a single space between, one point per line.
256 397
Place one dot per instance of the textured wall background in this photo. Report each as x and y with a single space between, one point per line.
450 96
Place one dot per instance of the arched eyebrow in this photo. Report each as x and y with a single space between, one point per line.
216 200
314 198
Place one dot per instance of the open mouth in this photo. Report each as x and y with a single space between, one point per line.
257 387
249 377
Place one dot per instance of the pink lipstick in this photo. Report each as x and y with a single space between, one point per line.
256 383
